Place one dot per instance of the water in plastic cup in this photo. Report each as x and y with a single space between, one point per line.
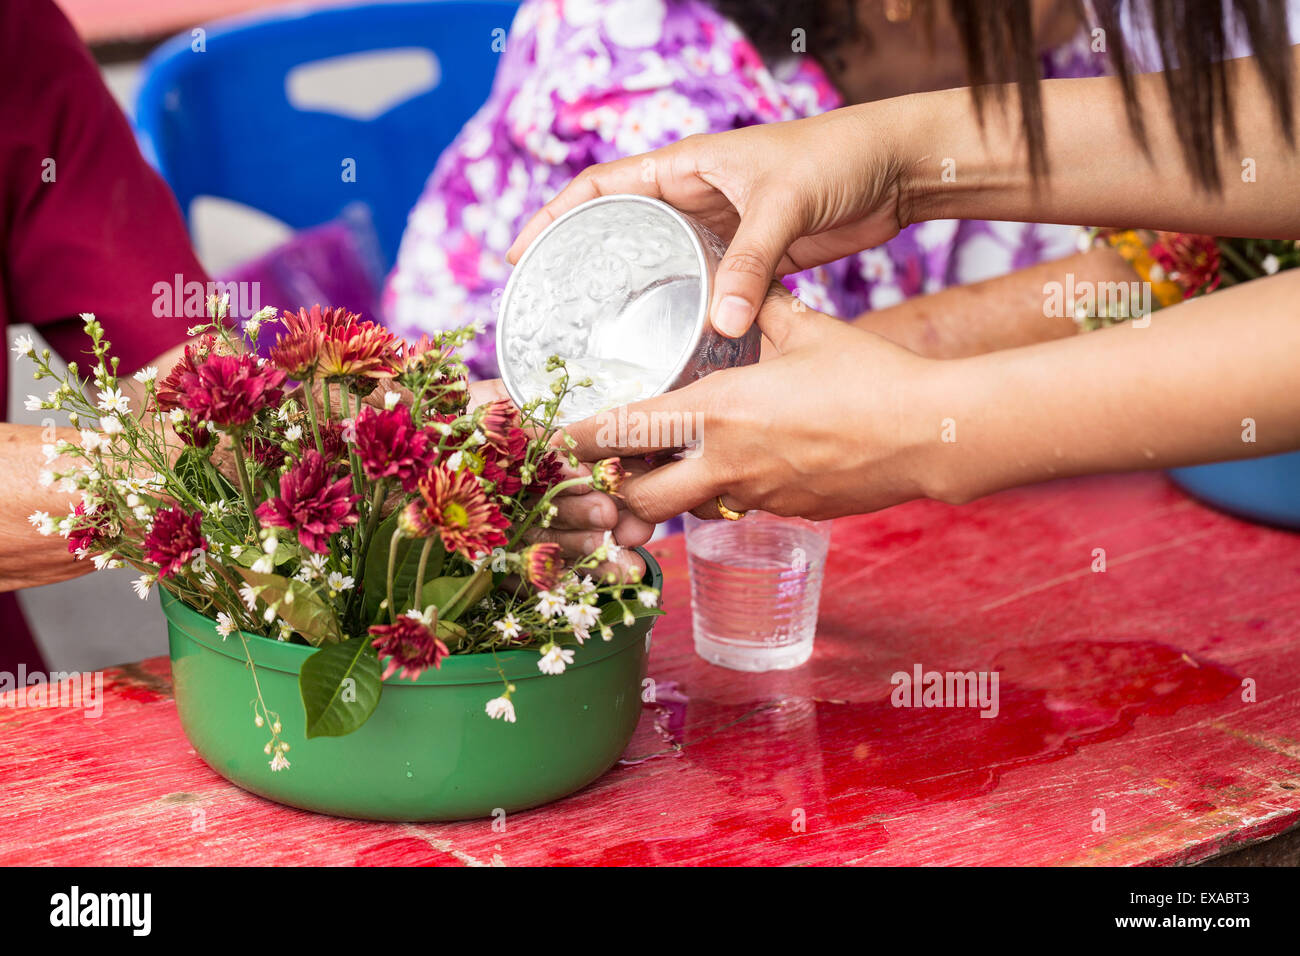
755 587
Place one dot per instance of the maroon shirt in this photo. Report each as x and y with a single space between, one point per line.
90 232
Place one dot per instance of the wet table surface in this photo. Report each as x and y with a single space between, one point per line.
1149 713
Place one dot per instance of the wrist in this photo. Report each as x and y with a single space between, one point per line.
951 163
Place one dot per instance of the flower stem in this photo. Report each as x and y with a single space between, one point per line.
311 416
419 572
245 486
544 504
392 570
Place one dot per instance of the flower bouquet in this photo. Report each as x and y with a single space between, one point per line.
335 511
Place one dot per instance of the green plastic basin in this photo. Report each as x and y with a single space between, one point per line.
429 752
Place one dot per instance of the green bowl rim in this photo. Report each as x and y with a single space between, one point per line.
457 669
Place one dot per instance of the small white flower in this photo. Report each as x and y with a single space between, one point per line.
278 762
34 403
42 522
508 627
236 550
143 584
111 424
225 624
554 659
582 615
249 596
609 547
500 708
338 581
647 597
270 545
1270 265
293 432
146 374
264 565
178 416
455 460
550 604
112 400
581 618
391 399
23 346
92 440
46 478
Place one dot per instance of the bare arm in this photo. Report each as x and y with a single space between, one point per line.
1000 313
28 559
1098 172
1194 386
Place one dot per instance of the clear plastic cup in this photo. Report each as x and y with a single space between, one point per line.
756 585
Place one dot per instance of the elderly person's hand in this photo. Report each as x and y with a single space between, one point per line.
584 516
787 196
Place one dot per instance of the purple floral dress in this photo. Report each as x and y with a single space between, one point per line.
588 81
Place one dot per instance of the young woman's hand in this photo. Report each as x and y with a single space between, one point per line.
787 196
840 421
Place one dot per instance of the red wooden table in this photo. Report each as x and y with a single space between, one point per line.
1122 735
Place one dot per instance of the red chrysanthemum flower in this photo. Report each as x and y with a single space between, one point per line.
314 500
168 393
1190 260
608 475
297 354
353 350
454 504
88 529
410 646
497 420
332 445
390 446
266 454
173 539
543 566
229 390
503 461
548 470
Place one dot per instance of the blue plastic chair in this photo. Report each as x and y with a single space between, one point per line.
220 122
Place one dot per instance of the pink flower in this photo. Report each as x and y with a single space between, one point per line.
173 539
390 446
409 645
229 390
84 535
543 565
313 500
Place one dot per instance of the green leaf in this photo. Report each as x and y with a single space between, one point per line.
612 613
375 585
306 613
340 686
441 590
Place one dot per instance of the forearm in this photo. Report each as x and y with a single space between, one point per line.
1098 172
1191 387
1000 313
27 558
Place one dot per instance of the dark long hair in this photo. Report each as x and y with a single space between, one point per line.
997 39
